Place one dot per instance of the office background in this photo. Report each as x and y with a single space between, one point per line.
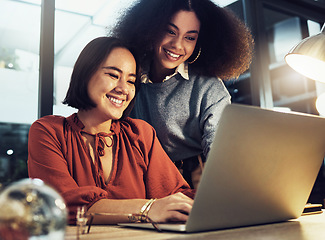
39 44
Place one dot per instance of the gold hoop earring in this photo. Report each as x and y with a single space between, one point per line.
197 56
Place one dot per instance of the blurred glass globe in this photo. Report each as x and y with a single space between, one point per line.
30 209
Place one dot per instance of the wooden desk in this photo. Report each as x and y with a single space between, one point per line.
303 228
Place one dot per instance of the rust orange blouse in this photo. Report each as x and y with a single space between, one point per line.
57 154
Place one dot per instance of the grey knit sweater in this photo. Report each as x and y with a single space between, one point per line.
183 112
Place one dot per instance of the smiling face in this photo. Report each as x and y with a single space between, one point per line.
178 42
112 87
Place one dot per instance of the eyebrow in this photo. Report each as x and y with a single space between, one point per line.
192 31
120 71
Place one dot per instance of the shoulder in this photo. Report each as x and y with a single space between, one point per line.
50 125
50 121
136 125
137 128
204 78
206 83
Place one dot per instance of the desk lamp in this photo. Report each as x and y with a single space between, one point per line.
308 57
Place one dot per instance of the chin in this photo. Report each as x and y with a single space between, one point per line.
116 118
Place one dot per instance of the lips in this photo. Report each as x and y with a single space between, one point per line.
115 100
172 55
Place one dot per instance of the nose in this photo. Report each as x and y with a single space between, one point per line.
122 87
177 42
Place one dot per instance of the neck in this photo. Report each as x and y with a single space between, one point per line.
92 123
157 74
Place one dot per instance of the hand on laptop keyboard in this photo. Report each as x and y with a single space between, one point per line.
172 208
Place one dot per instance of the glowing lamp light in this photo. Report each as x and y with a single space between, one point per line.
308 57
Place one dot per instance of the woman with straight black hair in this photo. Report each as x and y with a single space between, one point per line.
100 158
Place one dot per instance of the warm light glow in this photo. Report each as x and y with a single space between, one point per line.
307 66
308 57
320 104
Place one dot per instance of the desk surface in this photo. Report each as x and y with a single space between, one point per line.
304 228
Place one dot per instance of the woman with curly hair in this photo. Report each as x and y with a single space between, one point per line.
186 48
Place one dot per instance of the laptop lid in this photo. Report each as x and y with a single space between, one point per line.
261 169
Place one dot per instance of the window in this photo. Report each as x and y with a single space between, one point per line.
290 90
76 23
19 64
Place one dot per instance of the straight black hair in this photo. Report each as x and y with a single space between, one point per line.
88 62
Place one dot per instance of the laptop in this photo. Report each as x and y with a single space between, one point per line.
261 169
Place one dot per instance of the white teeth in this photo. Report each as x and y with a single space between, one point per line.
115 100
172 54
